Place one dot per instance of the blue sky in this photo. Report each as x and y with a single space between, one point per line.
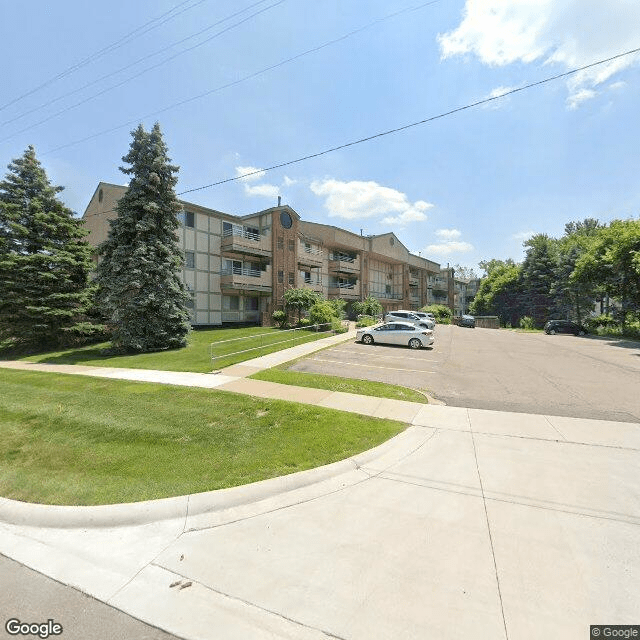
460 189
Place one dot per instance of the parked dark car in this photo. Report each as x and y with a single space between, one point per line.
468 321
564 326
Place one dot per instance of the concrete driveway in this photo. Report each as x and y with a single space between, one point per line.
471 523
503 370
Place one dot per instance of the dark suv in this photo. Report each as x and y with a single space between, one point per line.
564 326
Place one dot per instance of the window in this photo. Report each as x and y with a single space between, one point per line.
189 259
280 242
190 303
100 195
230 303
387 288
280 277
251 304
292 277
187 218
292 245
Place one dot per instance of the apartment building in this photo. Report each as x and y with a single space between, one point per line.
237 268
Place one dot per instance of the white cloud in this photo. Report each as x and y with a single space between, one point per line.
523 235
614 86
256 173
266 190
496 93
448 248
448 234
355 200
571 33
287 182
577 98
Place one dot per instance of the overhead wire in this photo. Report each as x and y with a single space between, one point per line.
137 75
131 64
137 32
244 78
417 123
410 125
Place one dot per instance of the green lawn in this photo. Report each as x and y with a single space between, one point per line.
195 357
334 383
81 441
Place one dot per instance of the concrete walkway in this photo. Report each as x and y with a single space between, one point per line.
470 523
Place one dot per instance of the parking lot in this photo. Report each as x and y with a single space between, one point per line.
582 377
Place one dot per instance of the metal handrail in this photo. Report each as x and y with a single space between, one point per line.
241 231
342 285
340 257
241 271
262 338
312 251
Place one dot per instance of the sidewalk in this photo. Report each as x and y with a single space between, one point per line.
475 523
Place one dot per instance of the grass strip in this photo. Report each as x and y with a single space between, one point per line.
195 357
76 440
282 375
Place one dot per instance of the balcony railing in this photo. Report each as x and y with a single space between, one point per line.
241 271
386 294
312 250
242 232
342 285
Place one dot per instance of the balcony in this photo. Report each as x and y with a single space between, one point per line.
241 316
312 256
241 240
414 281
347 290
246 279
342 263
312 283
387 295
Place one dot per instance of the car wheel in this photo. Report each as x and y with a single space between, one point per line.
581 333
552 332
367 339
414 343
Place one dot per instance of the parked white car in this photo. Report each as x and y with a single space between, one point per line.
401 333
415 317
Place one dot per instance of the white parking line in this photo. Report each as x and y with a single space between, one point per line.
368 366
393 357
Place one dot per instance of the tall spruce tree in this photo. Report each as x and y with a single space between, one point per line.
139 278
44 261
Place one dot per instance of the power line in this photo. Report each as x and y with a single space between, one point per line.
137 75
138 31
406 126
415 124
244 78
132 64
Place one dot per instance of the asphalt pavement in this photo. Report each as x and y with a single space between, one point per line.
563 375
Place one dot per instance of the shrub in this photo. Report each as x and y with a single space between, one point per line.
368 307
441 312
603 321
280 318
304 322
365 321
322 313
337 326
527 322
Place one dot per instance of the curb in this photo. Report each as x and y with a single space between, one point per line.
19 513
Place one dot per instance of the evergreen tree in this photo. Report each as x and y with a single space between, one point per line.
538 274
44 261
139 277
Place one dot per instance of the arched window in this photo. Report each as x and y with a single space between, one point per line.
100 195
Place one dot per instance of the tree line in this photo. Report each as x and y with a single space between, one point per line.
50 294
591 265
